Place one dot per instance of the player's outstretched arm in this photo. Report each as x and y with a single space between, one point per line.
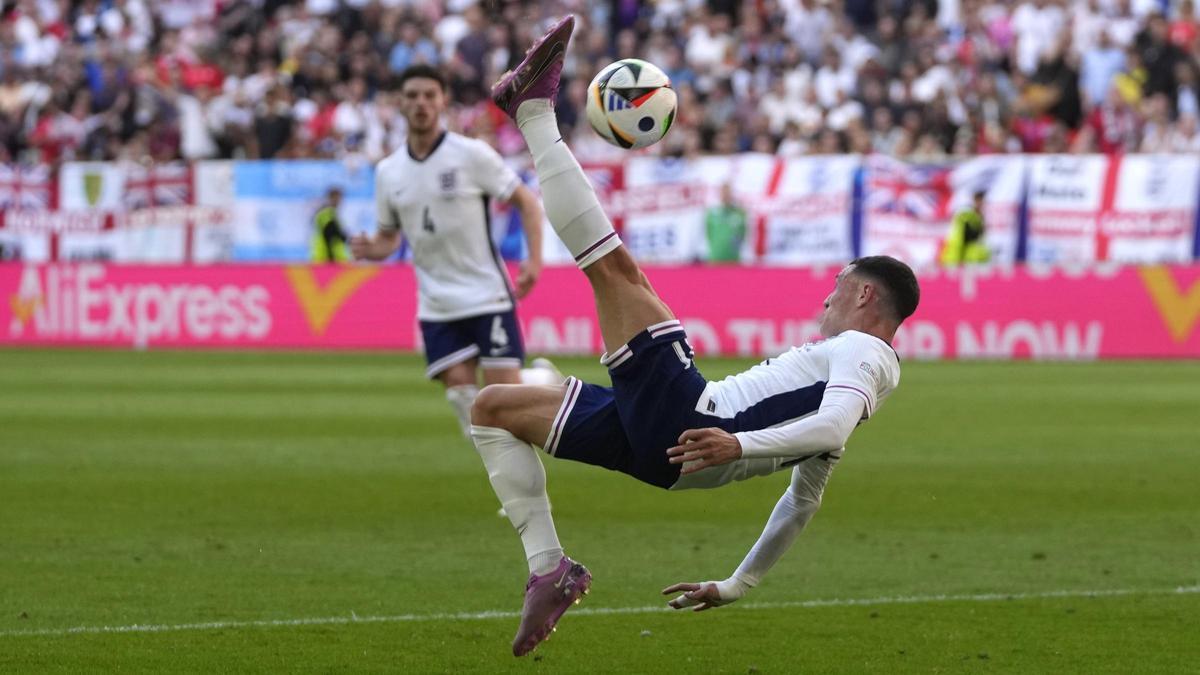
531 221
791 514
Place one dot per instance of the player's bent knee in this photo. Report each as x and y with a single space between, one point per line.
489 406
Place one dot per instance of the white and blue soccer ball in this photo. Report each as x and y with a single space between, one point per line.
631 103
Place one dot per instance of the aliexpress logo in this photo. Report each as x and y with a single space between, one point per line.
321 303
1179 309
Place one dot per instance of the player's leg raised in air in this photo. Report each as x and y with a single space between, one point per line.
576 420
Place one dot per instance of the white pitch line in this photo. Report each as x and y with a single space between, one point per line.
592 611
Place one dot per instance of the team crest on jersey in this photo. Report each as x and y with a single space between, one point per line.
448 179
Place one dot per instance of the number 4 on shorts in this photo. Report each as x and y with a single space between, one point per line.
499 335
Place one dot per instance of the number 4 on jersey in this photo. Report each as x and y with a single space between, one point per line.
426 221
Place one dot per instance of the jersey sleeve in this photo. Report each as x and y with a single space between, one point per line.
490 172
385 216
826 431
860 367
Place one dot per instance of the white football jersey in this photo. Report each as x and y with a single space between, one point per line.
795 382
440 205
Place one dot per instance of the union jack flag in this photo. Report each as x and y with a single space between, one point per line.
26 187
157 185
920 192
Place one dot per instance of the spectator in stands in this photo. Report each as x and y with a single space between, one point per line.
793 143
1156 133
1038 26
777 106
1056 84
720 107
709 41
1185 28
273 122
1101 63
411 47
470 55
198 124
885 135
1187 102
808 23
1114 124
1185 137
1032 125
1160 56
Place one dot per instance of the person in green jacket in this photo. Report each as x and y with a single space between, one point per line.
965 244
329 239
725 228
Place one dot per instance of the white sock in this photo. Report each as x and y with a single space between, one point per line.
461 397
519 481
571 204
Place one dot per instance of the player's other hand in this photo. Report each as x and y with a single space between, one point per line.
527 277
705 595
360 246
706 447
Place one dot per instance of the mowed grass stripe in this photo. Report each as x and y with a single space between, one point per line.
597 611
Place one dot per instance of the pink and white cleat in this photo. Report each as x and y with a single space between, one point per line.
547 598
537 75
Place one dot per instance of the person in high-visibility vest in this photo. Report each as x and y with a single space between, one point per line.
329 239
965 244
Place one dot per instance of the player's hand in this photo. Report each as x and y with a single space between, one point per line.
527 277
360 246
706 447
705 595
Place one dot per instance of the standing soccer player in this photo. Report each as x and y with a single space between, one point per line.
661 422
435 192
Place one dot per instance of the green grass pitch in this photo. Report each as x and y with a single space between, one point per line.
321 513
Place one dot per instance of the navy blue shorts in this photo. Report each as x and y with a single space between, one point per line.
629 426
494 338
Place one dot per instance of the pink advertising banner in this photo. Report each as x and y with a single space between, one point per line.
1000 313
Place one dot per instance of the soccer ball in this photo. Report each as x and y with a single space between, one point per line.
631 104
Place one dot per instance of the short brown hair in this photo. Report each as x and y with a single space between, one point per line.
421 70
902 290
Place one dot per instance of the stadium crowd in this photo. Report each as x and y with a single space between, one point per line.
925 79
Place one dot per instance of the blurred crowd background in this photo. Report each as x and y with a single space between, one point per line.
924 79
